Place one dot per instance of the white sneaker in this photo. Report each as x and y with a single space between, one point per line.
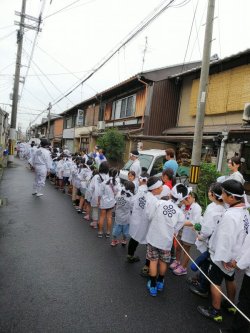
39 194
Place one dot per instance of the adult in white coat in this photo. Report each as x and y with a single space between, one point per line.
136 165
42 163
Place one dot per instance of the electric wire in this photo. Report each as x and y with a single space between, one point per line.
66 7
51 82
8 35
149 19
189 37
63 66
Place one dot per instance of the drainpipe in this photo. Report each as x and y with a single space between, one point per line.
222 148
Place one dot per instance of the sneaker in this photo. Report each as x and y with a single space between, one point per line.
86 217
79 211
228 307
210 312
192 281
144 271
198 291
93 225
107 235
99 234
123 242
114 242
174 265
160 285
39 194
152 290
132 259
180 270
34 193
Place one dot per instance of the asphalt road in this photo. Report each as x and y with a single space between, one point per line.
57 276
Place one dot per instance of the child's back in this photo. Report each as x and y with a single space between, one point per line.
167 219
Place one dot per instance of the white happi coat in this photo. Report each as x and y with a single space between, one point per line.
84 177
211 217
243 260
123 208
226 242
166 220
108 193
192 215
42 163
94 188
139 223
237 176
59 170
32 151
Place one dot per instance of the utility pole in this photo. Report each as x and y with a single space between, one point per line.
16 84
49 108
201 102
15 97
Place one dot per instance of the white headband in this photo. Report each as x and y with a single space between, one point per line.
133 155
143 178
179 196
155 185
233 194
128 192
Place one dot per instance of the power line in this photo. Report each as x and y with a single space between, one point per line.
149 19
63 66
66 7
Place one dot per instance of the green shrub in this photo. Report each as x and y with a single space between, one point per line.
113 143
208 175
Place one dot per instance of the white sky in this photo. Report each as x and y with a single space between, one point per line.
75 40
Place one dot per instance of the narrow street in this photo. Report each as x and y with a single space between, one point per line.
57 276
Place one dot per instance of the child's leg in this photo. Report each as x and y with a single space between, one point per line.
115 233
74 190
125 234
178 252
153 266
109 221
162 270
132 246
81 203
185 259
101 220
231 290
88 208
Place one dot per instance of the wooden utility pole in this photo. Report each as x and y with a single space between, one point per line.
201 102
15 96
16 84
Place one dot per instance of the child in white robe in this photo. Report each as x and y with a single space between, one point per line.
225 245
106 202
138 224
192 211
166 220
122 214
94 191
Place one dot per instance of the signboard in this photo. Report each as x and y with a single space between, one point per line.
80 118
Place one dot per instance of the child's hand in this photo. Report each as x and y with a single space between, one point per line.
229 266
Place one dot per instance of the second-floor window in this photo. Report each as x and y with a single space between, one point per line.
69 122
124 107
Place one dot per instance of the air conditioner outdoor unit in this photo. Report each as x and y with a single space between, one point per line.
101 125
246 113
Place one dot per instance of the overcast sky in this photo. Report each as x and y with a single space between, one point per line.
75 39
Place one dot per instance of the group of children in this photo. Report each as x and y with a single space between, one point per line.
167 218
